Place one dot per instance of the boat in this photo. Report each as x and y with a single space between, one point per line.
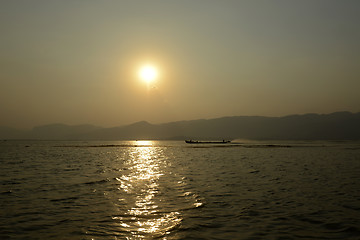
207 142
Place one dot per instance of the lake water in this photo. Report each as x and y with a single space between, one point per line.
173 190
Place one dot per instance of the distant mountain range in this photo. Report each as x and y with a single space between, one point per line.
334 126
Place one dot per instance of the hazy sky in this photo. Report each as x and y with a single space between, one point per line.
77 62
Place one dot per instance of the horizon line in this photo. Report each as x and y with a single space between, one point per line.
176 121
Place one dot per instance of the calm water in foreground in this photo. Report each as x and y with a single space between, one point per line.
171 190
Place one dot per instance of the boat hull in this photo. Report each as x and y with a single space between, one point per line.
207 142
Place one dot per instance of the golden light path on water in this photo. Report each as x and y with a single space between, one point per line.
139 185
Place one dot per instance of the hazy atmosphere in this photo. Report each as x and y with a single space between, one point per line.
179 119
111 63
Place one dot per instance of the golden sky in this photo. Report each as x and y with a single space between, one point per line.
78 62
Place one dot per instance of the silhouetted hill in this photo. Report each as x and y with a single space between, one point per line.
334 126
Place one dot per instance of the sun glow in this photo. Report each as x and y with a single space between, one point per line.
148 73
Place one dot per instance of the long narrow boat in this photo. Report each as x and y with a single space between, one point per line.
207 142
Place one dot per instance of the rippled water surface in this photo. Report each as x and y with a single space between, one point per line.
171 190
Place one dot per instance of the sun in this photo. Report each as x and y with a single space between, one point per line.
148 73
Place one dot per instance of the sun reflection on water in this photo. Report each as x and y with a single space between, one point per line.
144 216
143 143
